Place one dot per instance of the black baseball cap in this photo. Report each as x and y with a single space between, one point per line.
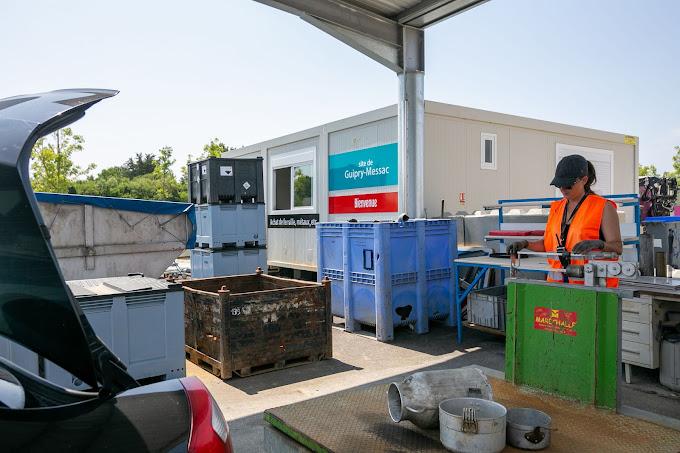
569 169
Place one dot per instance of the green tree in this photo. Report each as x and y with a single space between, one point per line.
111 182
302 188
647 170
87 186
215 148
184 177
133 179
52 166
163 172
147 187
676 164
140 165
116 172
115 185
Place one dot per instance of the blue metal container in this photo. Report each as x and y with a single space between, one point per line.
230 225
217 263
387 274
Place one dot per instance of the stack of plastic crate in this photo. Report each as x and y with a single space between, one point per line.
230 217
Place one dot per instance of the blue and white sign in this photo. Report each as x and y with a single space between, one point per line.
370 167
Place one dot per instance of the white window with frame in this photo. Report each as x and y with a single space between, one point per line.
292 178
602 160
488 151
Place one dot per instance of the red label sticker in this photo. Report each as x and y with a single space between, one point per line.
375 202
461 197
558 321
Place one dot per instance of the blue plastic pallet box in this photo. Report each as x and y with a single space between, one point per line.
330 247
225 262
230 225
387 274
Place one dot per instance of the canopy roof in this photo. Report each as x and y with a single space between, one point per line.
376 27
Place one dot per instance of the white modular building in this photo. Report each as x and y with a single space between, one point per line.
352 169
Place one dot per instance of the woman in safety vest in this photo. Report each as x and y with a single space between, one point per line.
581 222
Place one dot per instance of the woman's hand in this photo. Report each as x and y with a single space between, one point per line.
586 246
515 247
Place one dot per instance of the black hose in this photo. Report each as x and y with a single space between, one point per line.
670 247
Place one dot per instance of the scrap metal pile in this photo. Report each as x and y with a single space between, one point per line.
460 403
657 196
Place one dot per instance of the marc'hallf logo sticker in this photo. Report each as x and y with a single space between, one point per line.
557 321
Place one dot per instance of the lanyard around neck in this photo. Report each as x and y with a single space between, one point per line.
563 228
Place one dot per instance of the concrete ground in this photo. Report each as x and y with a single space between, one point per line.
359 360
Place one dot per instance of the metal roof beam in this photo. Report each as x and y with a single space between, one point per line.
430 12
344 15
384 53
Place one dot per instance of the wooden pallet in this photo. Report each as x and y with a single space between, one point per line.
278 365
215 366
484 328
204 361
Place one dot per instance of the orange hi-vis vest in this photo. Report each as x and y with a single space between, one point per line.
585 225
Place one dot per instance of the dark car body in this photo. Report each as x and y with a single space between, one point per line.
39 312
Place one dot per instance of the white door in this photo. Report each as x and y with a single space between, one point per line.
602 160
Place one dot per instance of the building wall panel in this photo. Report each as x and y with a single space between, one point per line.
446 164
531 161
295 246
365 136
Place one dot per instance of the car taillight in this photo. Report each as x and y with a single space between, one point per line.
209 430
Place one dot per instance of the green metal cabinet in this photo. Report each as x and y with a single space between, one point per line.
564 339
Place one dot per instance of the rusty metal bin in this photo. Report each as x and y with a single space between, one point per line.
254 323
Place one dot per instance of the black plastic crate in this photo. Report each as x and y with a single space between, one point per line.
222 180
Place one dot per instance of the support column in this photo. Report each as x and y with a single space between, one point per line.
411 117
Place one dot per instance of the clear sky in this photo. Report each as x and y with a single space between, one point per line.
244 72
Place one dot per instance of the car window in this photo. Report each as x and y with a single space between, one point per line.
35 308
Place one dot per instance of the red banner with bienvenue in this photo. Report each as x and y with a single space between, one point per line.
558 321
375 202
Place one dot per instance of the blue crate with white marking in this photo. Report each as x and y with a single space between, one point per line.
387 274
230 225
